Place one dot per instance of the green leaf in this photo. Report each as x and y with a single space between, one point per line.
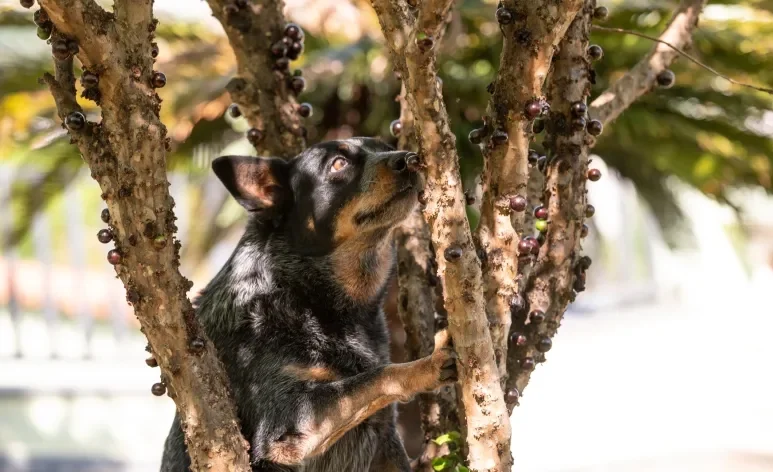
440 463
462 468
453 436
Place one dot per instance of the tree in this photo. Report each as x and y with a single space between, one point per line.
503 291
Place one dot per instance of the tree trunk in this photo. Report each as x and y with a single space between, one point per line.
126 155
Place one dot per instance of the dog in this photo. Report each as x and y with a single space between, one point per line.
296 312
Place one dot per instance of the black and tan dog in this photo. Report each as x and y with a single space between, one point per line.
296 312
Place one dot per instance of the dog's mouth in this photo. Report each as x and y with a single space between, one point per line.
409 190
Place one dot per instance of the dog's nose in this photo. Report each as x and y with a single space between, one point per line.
402 162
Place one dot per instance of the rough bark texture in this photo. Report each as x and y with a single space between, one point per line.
529 41
262 89
416 307
642 77
126 155
553 277
411 39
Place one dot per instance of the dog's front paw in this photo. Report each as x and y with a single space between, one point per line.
444 359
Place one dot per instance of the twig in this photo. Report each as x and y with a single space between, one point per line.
688 56
642 77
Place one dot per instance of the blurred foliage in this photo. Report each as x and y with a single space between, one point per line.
708 133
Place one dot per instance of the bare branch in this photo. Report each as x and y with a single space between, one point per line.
134 16
684 54
488 434
262 88
126 155
552 279
643 76
531 30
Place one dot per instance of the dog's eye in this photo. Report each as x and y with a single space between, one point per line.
339 164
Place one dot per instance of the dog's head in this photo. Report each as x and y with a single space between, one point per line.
338 198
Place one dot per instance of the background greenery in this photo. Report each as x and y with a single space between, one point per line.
704 131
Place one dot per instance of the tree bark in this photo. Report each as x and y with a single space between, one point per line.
262 88
126 155
643 76
530 36
411 39
553 278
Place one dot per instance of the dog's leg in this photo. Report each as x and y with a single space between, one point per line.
337 407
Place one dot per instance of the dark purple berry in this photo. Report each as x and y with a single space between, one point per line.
544 345
294 32
105 215
151 362
279 49
512 396
541 212
158 389
294 51
584 231
40 18
590 210
158 80
396 127
578 124
527 363
594 175
517 304
153 50
601 13
89 79
105 236
524 246
533 109
72 46
114 257
534 242
476 135
60 50
585 262
197 345
666 78
536 317
297 84
504 16
452 253
234 111
469 199
579 109
533 156
305 110
27 3
499 137
518 203
538 126
595 52
424 41
254 136
518 339
595 127
75 121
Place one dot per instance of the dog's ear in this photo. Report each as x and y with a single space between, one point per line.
259 184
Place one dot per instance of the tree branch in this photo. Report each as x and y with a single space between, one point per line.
684 54
488 434
552 279
643 76
417 282
530 30
262 88
126 155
